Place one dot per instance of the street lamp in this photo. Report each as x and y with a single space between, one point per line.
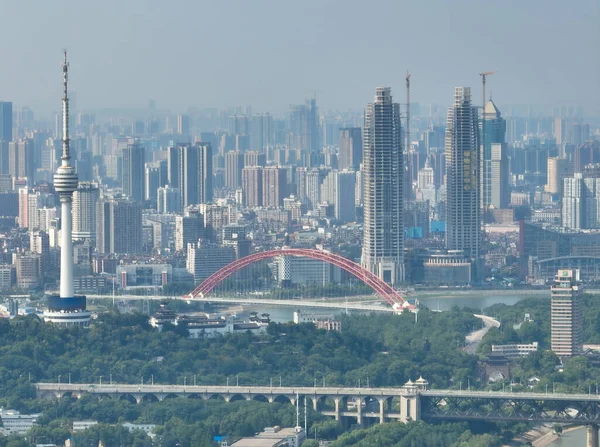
142 380
110 376
237 380
194 379
100 380
227 382
184 381
152 379
271 383
59 378
69 378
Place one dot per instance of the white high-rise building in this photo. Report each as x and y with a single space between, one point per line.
573 202
383 171
463 213
566 327
85 199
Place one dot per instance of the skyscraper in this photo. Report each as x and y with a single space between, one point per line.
118 227
273 186
21 159
132 179
183 126
494 179
463 223
252 184
66 308
345 186
383 171
566 314
304 125
85 199
234 163
573 202
6 121
350 153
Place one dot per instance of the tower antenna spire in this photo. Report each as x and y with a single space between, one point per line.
66 153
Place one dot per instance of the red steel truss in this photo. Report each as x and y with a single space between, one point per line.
380 287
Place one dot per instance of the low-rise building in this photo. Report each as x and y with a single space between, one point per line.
14 422
274 437
513 351
83 425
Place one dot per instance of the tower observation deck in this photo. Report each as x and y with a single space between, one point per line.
66 308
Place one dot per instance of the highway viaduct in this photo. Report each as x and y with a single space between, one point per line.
413 401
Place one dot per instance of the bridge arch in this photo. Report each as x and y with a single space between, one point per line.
379 286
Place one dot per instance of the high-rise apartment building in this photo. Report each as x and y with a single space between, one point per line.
494 127
85 201
132 176
183 125
383 172
195 173
21 156
188 229
234 163
261 135
566 326
168 200
463 213
273 186
350 152
6 121
252 184
118 227
254 158
558 169
499 175
153 179
304 126
573 202
345 186
3 157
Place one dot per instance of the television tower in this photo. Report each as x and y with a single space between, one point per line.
65 183
66 308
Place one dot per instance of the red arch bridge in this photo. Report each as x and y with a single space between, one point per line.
379 286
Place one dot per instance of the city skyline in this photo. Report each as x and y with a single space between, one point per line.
526 73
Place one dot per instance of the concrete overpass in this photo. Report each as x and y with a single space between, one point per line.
413 401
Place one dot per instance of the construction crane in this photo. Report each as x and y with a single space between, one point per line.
482 167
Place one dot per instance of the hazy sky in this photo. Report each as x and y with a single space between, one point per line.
272 53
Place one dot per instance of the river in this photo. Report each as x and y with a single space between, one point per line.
286 314
575 438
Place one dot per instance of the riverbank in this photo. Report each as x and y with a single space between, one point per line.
541 436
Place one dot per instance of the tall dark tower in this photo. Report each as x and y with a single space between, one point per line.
66 308
463 226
